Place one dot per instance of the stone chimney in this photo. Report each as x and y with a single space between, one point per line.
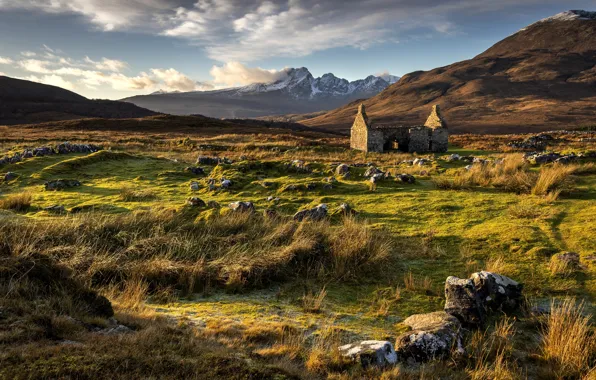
434 119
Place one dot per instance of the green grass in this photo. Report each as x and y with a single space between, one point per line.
435 233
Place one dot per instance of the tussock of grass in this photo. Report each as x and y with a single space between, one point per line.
75 163
16 202
130 195
553 178
567 340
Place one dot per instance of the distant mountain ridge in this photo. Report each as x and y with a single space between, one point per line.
297 92
542 77
24 102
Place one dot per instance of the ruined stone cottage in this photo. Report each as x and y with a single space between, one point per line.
430 137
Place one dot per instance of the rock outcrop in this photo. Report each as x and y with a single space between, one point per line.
315 214
370 352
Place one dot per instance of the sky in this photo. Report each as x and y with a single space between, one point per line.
111 49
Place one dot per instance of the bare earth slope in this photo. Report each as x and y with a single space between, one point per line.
23 102
541 78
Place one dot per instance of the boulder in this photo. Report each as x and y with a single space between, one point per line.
242 207
196 170
375 178
372 171
433 336
61 184
10 176
461 301
453 157
342 169
407 178
194 186
226 183
345 210
370 353
195 202
317 213
420 161
496 292
204 160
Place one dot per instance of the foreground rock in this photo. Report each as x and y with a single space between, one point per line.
471 299
242 207
61 184
497 292
370 352
317 213
196 202
346 210
342 169
433 336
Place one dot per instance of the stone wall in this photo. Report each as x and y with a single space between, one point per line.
359 132
434 119
419 140
376 140
439 140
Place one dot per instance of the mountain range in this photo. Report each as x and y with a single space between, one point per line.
542 77
26 102
297 92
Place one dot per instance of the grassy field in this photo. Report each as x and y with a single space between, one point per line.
211 293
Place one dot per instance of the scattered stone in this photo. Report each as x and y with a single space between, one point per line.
330 179
372 171
317 213
433 336
346 210
298 166
342 169
311 186
453 157
242 207
204 160
196 170
537 142
195 202
290 187
271 198
9 176
375 178
56 209
120 329
569 258
407 178
497 292
194 186
370 353
213 204
461 300
61 184
226 183
420 161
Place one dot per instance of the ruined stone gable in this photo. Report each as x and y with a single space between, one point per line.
433 136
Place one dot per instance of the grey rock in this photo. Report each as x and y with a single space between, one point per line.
242 207
433 336
194 186
461 301
195 202
61 184
316 213
342 169
378 353
406 178
196 170
497 292
9 176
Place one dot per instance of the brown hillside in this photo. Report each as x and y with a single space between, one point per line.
541 78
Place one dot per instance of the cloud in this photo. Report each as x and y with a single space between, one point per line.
249 30
235 73
6 61
71 73
28 54
176 81
54 80
107 64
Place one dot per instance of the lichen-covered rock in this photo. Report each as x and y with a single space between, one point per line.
433 335
226 183
376 178
372 171
316 213
342 169
370 353
194 186
495 291
242 207
61 184
461 300
195 202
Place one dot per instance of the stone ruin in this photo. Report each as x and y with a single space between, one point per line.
430 137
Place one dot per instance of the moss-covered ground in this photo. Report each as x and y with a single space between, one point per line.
436 232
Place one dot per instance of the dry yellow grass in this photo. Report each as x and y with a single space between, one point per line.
567 340
17 202
552 178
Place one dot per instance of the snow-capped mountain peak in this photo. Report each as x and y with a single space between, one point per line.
571 15
299 83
